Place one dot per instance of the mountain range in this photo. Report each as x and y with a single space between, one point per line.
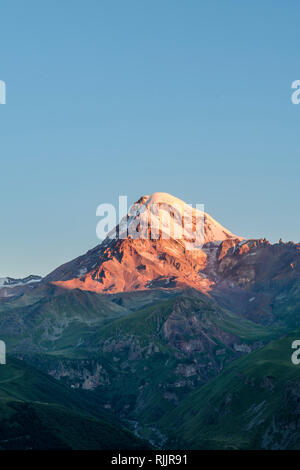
183 340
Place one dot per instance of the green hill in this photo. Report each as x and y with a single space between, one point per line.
253 404
139 363
37 412
152 358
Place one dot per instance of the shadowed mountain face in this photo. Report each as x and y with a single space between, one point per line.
148 326
261 281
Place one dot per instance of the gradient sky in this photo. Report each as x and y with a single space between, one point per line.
132 97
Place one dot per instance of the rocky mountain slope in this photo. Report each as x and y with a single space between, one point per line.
160 244
253 404
147 325
261 281
37 412
158 353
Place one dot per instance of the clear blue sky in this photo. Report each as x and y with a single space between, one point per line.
132 97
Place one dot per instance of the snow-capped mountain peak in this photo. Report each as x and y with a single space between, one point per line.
9 287
9 282
149 249
170 217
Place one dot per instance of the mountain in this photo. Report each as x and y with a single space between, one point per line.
37 412
10 287
162 255
138 354
248 277
146 326
54 315
261 280
9 282
253 404
142 364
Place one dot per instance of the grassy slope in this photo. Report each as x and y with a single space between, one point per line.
38 412
146 386
148 321
254 403
56 319
144 382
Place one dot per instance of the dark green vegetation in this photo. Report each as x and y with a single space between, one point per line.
53 318
180 368
253 404
143 363
38 412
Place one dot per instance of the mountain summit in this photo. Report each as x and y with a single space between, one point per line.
157 245
173 216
